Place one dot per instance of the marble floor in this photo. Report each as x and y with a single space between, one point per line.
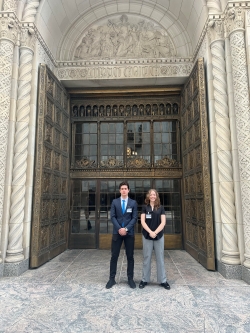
68 294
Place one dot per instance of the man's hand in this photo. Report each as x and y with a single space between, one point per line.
122 232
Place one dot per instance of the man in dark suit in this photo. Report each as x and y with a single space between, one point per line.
123 215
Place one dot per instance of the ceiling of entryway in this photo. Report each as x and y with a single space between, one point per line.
61 22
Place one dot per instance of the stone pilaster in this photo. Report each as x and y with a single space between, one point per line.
15 247
8 37
235 25
230 252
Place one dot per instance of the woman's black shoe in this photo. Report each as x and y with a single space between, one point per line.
165 285
142 284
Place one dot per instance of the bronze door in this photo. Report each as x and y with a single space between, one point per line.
51 177
198 218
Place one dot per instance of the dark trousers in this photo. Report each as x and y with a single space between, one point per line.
116 244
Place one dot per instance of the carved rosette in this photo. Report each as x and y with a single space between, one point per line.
167 162
230 251
112 162
15 249
30 10
242 112
137 162
85 163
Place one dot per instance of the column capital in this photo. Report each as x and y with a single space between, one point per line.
28 36
215 28
235 19
9 27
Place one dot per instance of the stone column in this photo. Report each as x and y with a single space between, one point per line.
214 6
15 245
8 37
235 23
230 251
30 10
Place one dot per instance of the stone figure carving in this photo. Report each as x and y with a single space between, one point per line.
121 38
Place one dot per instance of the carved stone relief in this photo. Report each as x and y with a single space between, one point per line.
10 5
125 37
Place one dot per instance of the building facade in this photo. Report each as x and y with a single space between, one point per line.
97 91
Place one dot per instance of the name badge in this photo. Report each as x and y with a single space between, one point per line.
129 210
148 216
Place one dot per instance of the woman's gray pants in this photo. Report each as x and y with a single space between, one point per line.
158 246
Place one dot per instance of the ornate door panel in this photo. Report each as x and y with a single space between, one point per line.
51 183
198 218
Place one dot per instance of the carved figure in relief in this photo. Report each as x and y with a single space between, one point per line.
120 38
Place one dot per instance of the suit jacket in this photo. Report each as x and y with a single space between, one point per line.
128 218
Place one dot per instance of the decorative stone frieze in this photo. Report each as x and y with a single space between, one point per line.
235 25
123 69
15 241
230 251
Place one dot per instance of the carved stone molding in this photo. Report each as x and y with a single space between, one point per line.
118 70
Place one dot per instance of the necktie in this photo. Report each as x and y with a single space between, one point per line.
123 206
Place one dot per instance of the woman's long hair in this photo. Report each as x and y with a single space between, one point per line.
157 200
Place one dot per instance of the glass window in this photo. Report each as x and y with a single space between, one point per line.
165 138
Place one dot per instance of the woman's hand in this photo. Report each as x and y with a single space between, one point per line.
152 234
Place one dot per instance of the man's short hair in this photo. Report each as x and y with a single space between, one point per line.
124 184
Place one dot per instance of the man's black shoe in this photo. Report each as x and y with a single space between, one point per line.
165 285
131 283
110 283
142 284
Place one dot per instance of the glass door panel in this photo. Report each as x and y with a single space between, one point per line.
83 214
91 226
